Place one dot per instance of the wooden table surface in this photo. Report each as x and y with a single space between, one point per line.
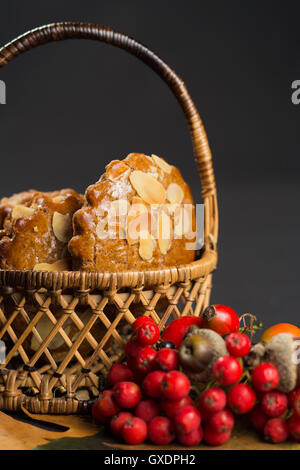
77 432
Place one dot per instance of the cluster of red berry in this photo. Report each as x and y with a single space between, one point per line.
276 414
150 398
166 411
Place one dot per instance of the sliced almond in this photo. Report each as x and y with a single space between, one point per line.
171 208
162 164
44 327
147 187
137 220
22 211
57 199
182 222
62 226
175 194
164 227
149 158
135 226
60 265
146 245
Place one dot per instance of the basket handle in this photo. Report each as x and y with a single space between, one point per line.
70 30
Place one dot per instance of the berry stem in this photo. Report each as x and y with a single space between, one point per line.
250 328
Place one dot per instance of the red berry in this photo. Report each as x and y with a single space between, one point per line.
145 361
265 377
187 420
294 427
105 407
119 373
161 431
152 383
276 430
241 398
140 321
227 370
221 319
221 421
134 431
193 438
147 333
238 344
118 421
147 410
131 350
294 400
127 394
170 407
213 399
274 404
177 329
175 385
214 438
167 359
258 418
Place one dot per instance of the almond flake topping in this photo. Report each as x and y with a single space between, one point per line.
22 211
147 245
164 227
175 194
162 164
147 187
62 226
60 265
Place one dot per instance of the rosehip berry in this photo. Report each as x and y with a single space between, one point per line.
221 421
276 430
118 420
187 420
131 350
258 418
161 431
134 430
177 329
170 407
241 398
265 377
152 383
193 438
221 318
147 410
127 394
213 399
105 407
175 385
227 370
148 333
214 438
274 404
167 359
294 400
294 427
166 344
140 321
145 361
119 373
238 344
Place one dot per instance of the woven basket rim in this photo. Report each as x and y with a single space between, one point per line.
81 280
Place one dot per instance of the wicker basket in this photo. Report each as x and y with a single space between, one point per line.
69 386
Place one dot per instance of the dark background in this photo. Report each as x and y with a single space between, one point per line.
74 106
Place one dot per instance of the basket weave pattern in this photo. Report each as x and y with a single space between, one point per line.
37 381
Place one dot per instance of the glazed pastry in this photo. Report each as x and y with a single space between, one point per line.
134 218
35 228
